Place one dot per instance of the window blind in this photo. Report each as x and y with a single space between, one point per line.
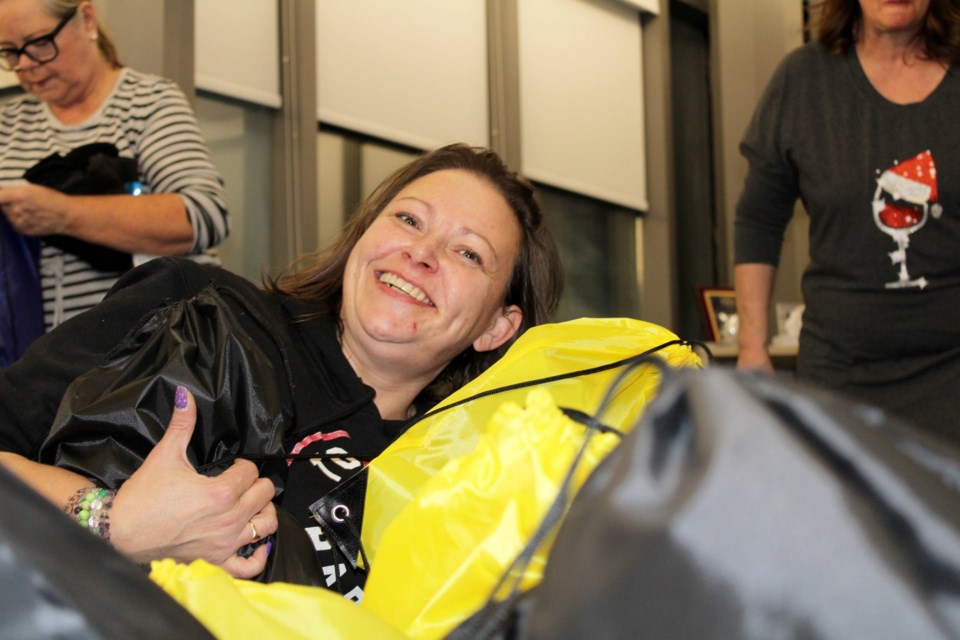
411 72
581 98
238 49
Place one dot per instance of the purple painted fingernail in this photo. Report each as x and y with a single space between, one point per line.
269 547
180 399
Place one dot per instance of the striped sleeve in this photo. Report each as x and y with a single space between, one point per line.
173 157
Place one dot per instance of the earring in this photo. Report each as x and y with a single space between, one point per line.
94 37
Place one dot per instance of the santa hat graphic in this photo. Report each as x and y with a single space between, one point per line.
913 181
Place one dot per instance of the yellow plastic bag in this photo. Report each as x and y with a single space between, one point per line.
442 556
545 351
232 609
451 503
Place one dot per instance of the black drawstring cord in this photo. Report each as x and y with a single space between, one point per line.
337 554
363 553
560 376
340 558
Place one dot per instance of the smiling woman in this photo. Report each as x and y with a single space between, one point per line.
442 268
534 281
427 280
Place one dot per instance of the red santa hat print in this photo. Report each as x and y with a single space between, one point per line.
913 181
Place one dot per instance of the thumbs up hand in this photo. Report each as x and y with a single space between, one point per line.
168 510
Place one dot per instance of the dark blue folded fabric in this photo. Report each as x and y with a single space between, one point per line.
21 302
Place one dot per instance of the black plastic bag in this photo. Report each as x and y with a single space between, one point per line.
111 417
92 169
745 507
227 353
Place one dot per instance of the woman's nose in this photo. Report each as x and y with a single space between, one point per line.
423 252
28 64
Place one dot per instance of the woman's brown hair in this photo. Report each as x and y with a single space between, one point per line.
535 285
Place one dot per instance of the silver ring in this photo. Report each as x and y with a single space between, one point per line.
254 530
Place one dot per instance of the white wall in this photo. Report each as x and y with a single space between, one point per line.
748 40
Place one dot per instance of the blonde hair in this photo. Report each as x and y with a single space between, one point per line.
60 8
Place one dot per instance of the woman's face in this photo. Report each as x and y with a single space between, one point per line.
63 79
893 16
429 275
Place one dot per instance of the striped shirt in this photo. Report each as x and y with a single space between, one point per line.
148 119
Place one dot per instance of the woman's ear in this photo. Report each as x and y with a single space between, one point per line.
504 325
89 17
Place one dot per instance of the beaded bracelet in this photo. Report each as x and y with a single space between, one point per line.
90 506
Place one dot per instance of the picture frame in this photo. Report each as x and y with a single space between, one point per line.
718 306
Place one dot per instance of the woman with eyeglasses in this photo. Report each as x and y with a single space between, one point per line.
78 93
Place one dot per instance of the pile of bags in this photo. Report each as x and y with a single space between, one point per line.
450 506
597 482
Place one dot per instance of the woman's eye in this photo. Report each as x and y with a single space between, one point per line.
473 256
408 219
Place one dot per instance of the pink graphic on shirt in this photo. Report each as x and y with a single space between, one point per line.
316 437
905 198
333 462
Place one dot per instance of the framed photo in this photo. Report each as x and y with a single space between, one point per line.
718 306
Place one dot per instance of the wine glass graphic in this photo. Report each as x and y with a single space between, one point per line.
905 198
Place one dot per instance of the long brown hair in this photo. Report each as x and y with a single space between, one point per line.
535 285
838 25
59 8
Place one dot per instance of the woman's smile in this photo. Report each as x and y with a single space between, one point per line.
397 283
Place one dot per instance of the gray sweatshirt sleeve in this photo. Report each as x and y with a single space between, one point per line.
770 191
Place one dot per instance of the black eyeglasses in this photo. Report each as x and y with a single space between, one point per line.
41 50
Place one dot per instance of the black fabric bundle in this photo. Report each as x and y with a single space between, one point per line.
92 169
